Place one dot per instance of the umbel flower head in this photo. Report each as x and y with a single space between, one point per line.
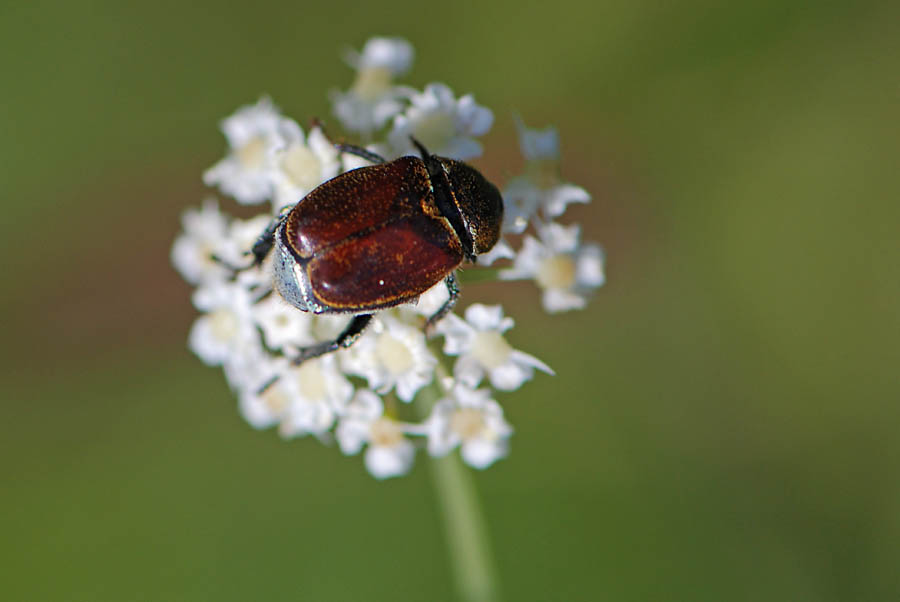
405 385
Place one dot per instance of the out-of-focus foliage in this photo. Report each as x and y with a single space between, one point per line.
723 421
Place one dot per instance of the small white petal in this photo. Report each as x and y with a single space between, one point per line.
468 371
389 452
408 386
473 119
487 317
248 121
501 250
212 350
367 405
205 235
589 266
558 300
354 427
538 144
525 359
394 54
510 376
481 453
559 238
471 397
437 95
246 364
386 462
260 407
242 235
441 438
352 435
457 334
283 325
319 392
516 371
521 200
527 260
307 418
557 198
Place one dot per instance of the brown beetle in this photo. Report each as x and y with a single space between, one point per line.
379 236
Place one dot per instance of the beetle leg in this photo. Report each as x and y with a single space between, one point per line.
359 151
266 240
345 339
264 243
453 289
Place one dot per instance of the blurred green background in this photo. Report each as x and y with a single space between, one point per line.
724 420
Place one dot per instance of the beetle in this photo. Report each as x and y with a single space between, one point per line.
380 236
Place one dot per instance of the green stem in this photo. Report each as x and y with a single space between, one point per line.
465 528
479 275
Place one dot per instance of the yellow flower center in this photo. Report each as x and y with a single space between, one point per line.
385 432
468 423
371 83
393 354
311 380
206 252
282 320
434 131
302 166
252 154
557 271
223 324
490 349
275 399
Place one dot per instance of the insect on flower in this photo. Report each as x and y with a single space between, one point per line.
376 248
379 236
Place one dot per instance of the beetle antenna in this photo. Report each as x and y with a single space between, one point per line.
352 149
421 147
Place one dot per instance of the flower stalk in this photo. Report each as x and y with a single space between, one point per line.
465 528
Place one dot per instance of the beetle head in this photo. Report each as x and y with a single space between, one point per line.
477 207
479 203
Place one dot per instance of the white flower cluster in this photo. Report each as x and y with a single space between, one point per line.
361 395
563 267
